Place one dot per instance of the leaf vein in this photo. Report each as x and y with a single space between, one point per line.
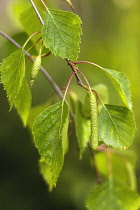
57 29
112 121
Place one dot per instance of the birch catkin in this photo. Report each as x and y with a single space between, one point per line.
94 121
35 69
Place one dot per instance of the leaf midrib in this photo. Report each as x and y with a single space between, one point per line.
57 27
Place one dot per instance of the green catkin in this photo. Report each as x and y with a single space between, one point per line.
35 69
94 121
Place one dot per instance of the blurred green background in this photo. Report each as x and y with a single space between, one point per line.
111 38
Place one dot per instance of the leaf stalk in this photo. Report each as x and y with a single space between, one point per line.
30 38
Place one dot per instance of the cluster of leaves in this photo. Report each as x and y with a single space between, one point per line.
109 124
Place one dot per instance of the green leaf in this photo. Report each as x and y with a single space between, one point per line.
61 33
82 128
123 165
17 9
36 110
46 173
94 121
86 110
116 126
102 90
23 102
50 134
113 195
12 73
121 84
72 101
31 24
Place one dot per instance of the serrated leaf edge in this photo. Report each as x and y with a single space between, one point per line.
80 33
115 147
125 101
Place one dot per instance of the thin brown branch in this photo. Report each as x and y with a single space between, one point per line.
79 81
